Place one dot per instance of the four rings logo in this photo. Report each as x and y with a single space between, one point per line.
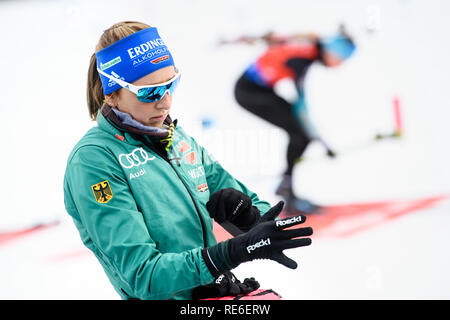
136 158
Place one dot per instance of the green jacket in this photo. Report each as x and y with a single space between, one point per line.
142 215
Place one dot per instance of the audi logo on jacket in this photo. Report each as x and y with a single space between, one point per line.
147 220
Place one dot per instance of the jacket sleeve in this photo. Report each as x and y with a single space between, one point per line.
219 178
116 232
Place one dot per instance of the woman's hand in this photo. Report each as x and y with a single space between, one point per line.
234 206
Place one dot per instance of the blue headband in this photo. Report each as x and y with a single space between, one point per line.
132 58
340 46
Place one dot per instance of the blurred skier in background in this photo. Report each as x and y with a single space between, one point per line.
272 87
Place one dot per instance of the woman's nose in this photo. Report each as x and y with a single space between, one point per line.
164 102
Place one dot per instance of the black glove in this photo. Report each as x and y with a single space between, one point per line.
225 285
330 152
233 206
266 240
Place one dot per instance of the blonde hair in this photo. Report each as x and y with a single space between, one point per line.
95 97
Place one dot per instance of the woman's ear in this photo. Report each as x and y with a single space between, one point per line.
111 99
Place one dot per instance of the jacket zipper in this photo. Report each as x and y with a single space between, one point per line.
187 189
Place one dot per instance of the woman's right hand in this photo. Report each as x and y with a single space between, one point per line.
234 206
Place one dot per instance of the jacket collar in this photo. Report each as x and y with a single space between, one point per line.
109 120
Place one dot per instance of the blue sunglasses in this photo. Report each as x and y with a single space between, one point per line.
150 93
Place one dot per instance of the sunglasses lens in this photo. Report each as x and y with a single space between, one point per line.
153 94
150 94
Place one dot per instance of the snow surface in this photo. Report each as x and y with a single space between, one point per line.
46 46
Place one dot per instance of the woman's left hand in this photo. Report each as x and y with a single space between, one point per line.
234 206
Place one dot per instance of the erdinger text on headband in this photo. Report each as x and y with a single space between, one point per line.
150 93
133 57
